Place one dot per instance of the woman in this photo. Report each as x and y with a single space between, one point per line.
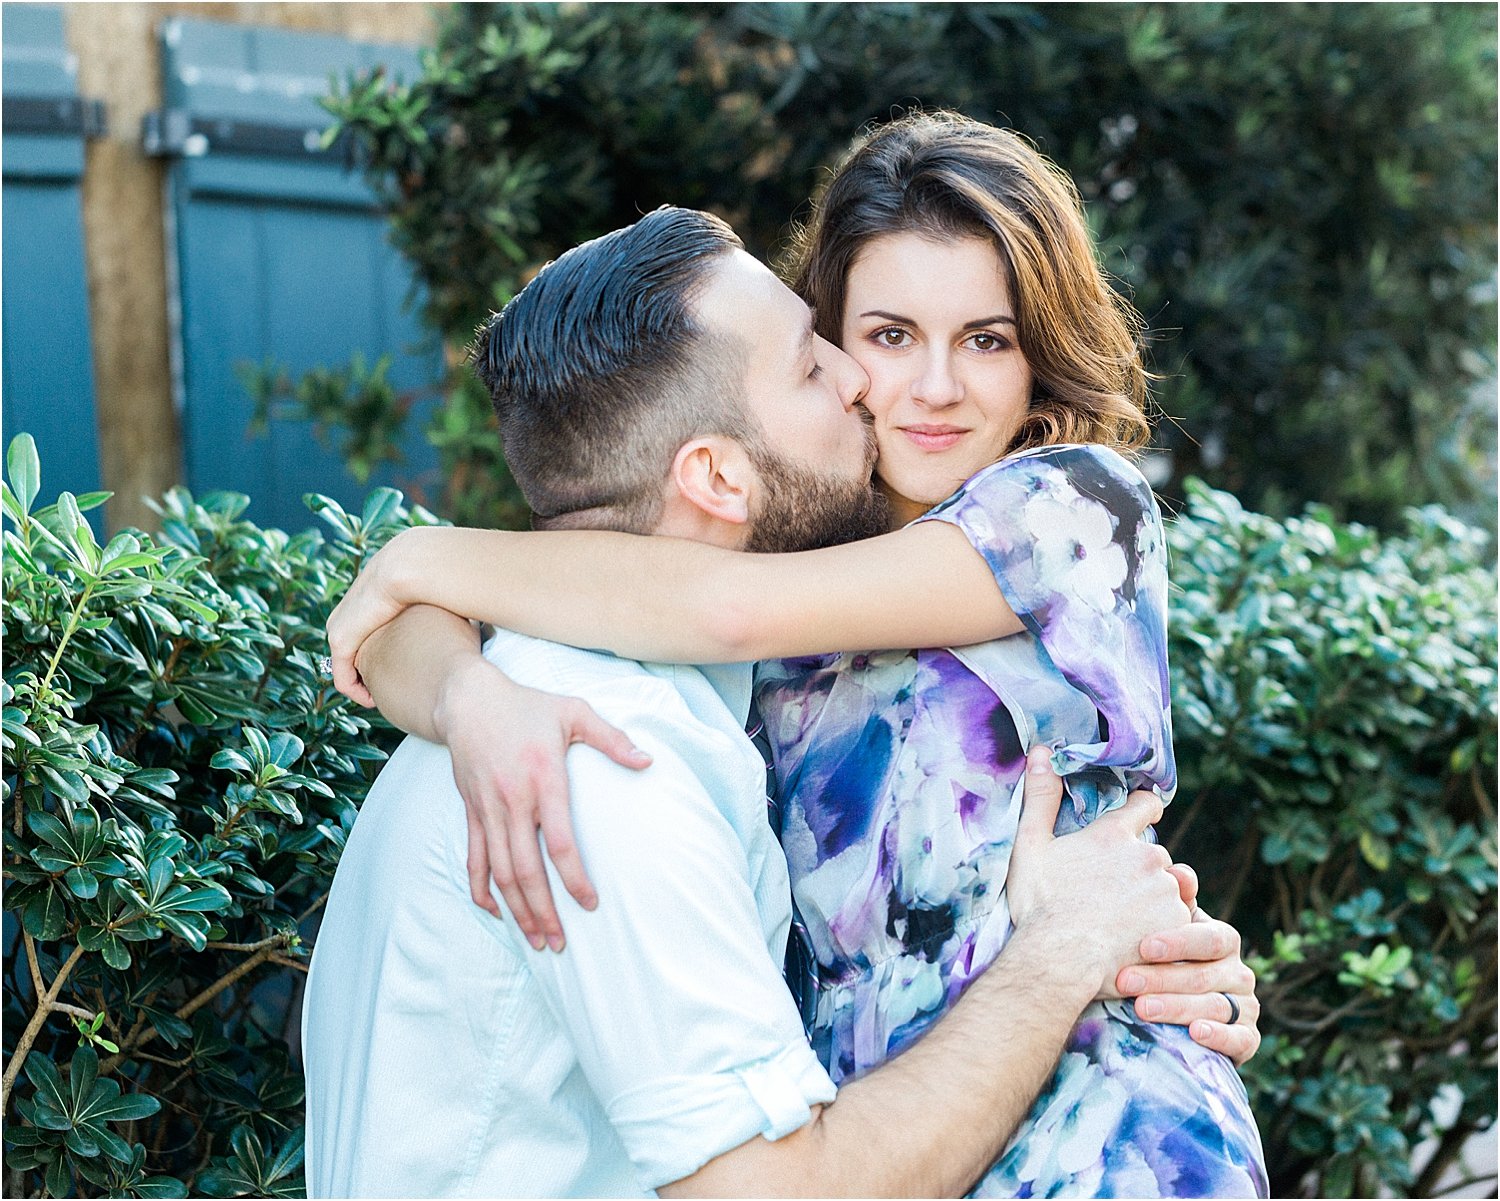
953 263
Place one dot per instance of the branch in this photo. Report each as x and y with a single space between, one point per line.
171 1063
46 1002
313 908
272 941
1448 1149
197 1003
1468 1182
36 970
283 961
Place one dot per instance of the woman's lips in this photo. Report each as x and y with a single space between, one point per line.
933 437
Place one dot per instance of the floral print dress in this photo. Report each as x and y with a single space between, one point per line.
900 777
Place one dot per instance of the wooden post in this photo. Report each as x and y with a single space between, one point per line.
119 62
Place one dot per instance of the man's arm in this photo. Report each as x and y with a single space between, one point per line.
929 1122
675 1007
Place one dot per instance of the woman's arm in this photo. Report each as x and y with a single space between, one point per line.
509 746
673 600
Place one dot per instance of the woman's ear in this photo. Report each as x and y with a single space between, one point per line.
714 475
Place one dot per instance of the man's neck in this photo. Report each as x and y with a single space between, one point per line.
681 519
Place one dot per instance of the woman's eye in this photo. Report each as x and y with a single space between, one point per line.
984 341
816 372
891 337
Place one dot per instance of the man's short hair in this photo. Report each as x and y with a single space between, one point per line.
599 371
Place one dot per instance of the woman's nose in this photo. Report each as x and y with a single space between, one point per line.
937 386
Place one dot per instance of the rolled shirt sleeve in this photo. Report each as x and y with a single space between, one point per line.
670 990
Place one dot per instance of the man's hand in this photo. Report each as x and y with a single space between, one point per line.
1099 892
1184 978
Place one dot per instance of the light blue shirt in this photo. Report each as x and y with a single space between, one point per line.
445 1057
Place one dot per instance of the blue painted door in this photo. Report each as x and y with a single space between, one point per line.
48 375
280 256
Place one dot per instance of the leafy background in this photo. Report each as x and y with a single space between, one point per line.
1301 200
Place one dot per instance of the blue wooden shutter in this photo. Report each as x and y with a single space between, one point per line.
48 355
279 254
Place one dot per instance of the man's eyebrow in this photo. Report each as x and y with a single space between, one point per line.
809 331
997 319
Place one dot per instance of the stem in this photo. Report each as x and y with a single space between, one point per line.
73 620
197 1003
1467 1182
1180 831
34 1027
36 971
1447 1151
1481 792
313 908
1241 875
273 941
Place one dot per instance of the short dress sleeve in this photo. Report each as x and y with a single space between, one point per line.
1075 540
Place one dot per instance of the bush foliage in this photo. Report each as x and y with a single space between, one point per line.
1334 702
179 780
1300 198
178 783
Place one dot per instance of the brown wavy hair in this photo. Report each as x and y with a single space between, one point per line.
943 175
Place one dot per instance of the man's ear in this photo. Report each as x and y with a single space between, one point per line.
714 475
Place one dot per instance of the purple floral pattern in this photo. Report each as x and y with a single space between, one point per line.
901 776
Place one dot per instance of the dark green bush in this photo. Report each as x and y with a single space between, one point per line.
1300 198
1334 700
179 781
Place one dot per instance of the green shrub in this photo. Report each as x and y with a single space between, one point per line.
1300 198
1334 703
179 781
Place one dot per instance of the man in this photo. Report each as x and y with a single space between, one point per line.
445 1055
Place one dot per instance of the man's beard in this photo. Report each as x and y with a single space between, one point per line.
803 509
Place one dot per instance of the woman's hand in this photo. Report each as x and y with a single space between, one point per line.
371 601
1185 977
509 745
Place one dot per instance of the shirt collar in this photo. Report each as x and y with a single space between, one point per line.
732 681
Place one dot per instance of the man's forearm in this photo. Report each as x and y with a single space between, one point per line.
406 661
931 1121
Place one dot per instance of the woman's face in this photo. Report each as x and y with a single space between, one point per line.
934 326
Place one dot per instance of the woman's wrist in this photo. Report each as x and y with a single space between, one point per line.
398 571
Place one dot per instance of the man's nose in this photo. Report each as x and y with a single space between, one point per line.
937 385
849 378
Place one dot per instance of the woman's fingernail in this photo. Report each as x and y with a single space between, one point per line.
1155 948
1199 1031
555 941
1039 761
537 941
1133 982
1150 1008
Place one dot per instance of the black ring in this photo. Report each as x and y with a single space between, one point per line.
1234 1008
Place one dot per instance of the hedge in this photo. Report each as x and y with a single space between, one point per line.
179 780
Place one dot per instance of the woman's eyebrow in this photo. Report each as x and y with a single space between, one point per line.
997 319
